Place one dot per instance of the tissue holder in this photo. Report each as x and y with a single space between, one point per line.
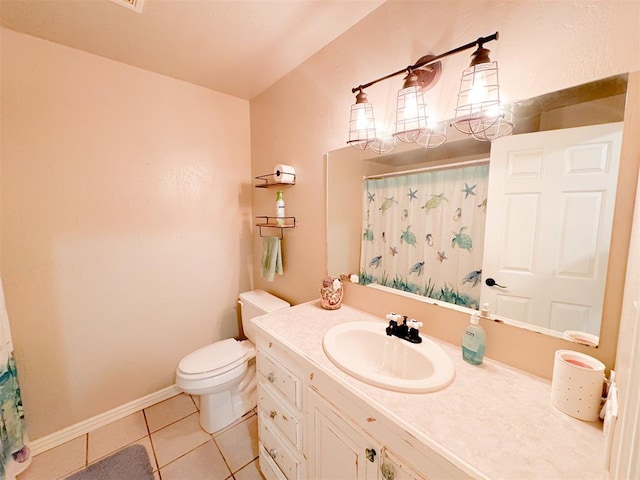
576 385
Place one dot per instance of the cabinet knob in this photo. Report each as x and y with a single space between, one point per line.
273 453
271 377
387 471
273 414
370 453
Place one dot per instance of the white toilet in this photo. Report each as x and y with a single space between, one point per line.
224 373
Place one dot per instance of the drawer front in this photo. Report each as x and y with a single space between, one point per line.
288 384
268 467
275 447
277 412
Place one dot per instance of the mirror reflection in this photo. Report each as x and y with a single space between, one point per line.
416 221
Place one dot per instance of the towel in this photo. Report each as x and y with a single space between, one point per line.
271 258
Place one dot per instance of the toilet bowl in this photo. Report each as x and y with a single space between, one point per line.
223 374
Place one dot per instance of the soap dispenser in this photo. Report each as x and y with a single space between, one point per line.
473 342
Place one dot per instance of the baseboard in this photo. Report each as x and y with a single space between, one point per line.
69 433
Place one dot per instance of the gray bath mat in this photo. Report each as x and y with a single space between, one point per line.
131 463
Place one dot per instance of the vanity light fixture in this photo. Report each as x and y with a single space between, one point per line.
478 112
411 111
436 134
384 143
362 124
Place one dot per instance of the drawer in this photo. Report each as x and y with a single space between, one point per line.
279 414
288 384
276 448
268 467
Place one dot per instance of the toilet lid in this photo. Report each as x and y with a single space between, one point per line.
224 355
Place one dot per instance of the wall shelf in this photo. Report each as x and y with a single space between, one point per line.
266 181
265 221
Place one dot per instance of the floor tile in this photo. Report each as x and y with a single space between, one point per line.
146 443
203 462
239 445
235 422
116 435
250 472
57 462
171 410
177 439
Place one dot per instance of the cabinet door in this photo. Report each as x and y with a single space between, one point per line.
337 450
394 468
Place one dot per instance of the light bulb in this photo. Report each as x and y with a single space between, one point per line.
479 92
411 105
361 119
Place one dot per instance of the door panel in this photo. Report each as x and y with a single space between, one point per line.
549 221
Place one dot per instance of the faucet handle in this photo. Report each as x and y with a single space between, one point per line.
413 323
393 316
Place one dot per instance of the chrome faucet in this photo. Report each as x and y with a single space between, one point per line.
407 330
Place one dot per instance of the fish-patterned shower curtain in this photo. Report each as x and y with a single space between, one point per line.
16 455
424 233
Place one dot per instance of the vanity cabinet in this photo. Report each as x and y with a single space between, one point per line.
312 427
317 422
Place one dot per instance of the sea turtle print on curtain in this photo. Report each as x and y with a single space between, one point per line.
424 233
16 454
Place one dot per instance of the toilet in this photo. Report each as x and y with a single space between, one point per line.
224 373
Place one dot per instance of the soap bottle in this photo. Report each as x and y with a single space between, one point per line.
279 208
473 342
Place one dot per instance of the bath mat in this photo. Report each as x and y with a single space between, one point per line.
131 463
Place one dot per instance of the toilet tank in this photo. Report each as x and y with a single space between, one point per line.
255 303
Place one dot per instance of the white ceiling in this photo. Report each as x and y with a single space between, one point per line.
239 47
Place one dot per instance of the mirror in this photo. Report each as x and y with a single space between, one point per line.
589 104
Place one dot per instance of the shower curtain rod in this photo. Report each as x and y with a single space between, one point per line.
443 166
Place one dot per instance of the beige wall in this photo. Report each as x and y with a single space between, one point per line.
125 226
543 46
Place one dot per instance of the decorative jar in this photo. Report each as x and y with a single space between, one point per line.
331 293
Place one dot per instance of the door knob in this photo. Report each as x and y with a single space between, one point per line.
490 282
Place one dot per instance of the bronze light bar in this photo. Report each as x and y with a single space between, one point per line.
431 59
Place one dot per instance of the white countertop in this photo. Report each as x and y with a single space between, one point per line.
493 418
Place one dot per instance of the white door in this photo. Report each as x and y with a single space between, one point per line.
549 217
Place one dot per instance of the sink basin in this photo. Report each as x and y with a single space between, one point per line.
363 350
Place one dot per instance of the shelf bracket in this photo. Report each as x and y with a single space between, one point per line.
272 222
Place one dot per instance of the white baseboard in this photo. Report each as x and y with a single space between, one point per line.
69 433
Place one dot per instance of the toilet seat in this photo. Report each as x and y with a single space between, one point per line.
215 359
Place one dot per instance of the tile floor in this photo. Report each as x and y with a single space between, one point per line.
178 448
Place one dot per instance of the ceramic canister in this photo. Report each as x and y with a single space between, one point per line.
576 385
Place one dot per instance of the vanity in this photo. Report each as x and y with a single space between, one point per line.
318 422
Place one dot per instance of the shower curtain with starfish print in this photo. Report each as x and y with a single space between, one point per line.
424 233
16 455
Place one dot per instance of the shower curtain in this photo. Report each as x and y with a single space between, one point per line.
424 233
16 455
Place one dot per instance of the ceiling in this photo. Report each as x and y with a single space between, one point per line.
238 47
